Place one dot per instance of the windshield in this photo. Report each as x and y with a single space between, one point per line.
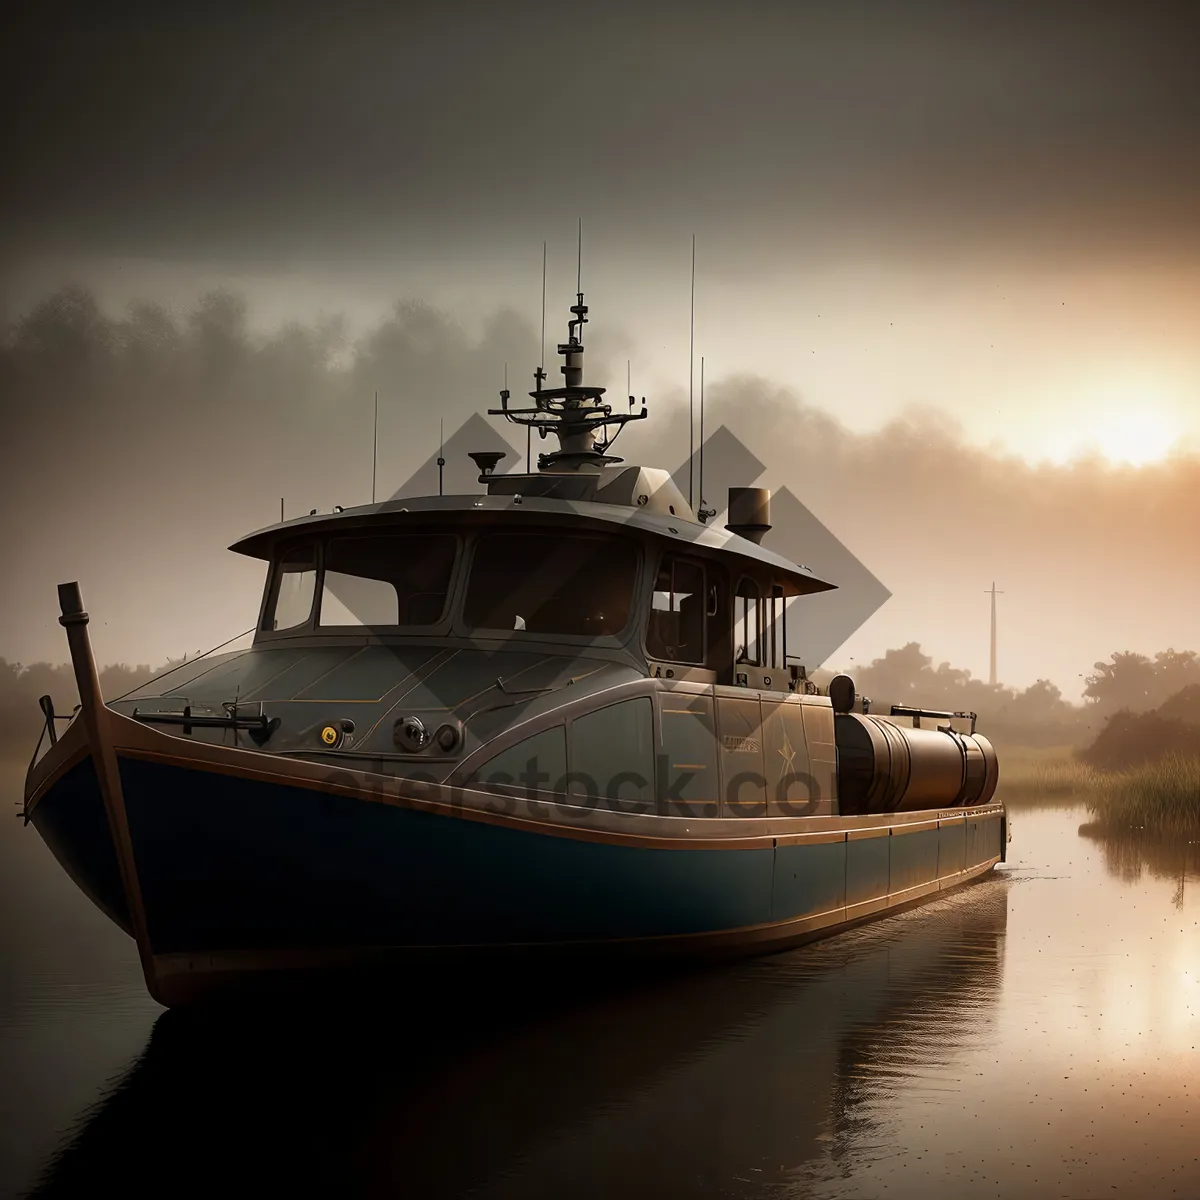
386 579
550 583
293 588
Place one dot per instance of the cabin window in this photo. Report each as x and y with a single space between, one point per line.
386 579
551 584
747 621
295 587
676 630
775 650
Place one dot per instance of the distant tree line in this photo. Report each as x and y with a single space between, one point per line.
21 687
1134 709
1126 681
1129 739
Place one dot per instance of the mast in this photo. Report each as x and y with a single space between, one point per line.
574 412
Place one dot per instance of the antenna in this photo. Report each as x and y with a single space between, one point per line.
540 374
281 510
702 512
441 450
691 360
375 447
579 261
700 489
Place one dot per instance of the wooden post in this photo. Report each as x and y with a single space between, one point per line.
97 720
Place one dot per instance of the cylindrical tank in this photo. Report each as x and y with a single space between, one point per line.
885 767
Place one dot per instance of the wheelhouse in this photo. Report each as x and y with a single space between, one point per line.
686 612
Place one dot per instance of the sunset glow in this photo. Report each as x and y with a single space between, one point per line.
1132 435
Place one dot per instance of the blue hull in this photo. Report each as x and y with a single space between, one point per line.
237 866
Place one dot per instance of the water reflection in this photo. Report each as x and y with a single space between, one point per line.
1035 1035
727 1080
1128 853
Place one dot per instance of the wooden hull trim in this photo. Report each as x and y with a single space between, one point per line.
600 824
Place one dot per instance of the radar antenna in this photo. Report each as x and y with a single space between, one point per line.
574 413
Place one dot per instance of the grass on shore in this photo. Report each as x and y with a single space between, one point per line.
1045 776
1160 797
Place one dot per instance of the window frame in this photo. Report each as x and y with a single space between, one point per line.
741 609
461 628
360 630
274 582
312 627
673 557
777 607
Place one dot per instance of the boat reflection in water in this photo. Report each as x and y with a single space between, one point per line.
732 1082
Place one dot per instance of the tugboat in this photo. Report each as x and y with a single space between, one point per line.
555 721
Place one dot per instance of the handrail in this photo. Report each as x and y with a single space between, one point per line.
260 727
904 710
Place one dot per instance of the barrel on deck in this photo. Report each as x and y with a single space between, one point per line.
885 767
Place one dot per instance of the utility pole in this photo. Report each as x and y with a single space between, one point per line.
992 670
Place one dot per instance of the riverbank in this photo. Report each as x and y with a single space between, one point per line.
1162 797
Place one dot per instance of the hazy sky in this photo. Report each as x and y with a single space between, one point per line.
987 210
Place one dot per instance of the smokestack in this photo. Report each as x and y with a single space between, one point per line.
749 512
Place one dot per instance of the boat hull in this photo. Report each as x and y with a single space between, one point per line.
253 870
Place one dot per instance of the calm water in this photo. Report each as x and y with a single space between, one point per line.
1037 1034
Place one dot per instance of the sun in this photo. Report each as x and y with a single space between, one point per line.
1136 437
1133 435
